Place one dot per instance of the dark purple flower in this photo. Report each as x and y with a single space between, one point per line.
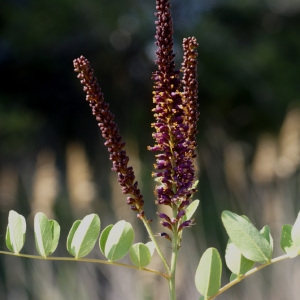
165 235
184 224
176 115
111 134
164 216
166 224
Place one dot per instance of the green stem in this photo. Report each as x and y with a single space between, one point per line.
90 260
176 238
172 282
152 237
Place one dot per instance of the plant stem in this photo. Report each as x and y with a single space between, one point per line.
170 269
83 259
172 282
176 238
153 239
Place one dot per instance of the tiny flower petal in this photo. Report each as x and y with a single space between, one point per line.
187 223
165 235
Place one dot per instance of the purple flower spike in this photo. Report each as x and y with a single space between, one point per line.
176 115
110 133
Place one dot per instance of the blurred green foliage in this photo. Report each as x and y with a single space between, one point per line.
248 63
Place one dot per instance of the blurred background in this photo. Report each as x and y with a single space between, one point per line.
52 157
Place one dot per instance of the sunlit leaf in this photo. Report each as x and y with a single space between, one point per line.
15 232
42 234
191 209
46 234
55 231
83 236
295 233
151 247
119 240
140 255
71 236
103 238
246 237
235 261
208 273
195 184
266 233
286 241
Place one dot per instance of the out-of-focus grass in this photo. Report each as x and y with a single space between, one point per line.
261 181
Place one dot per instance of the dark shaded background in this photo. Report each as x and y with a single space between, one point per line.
249 100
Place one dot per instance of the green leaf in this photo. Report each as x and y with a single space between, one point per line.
15 232
103 237
83 236
286 241
140 255
266 233
232 277
55 231
235 261
42 234
119 240
71 236
208 273
246 237
191 209
195 184
296 232
290 238
151 247
8 241
46 234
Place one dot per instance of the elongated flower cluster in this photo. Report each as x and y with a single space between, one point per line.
176 114
111 134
